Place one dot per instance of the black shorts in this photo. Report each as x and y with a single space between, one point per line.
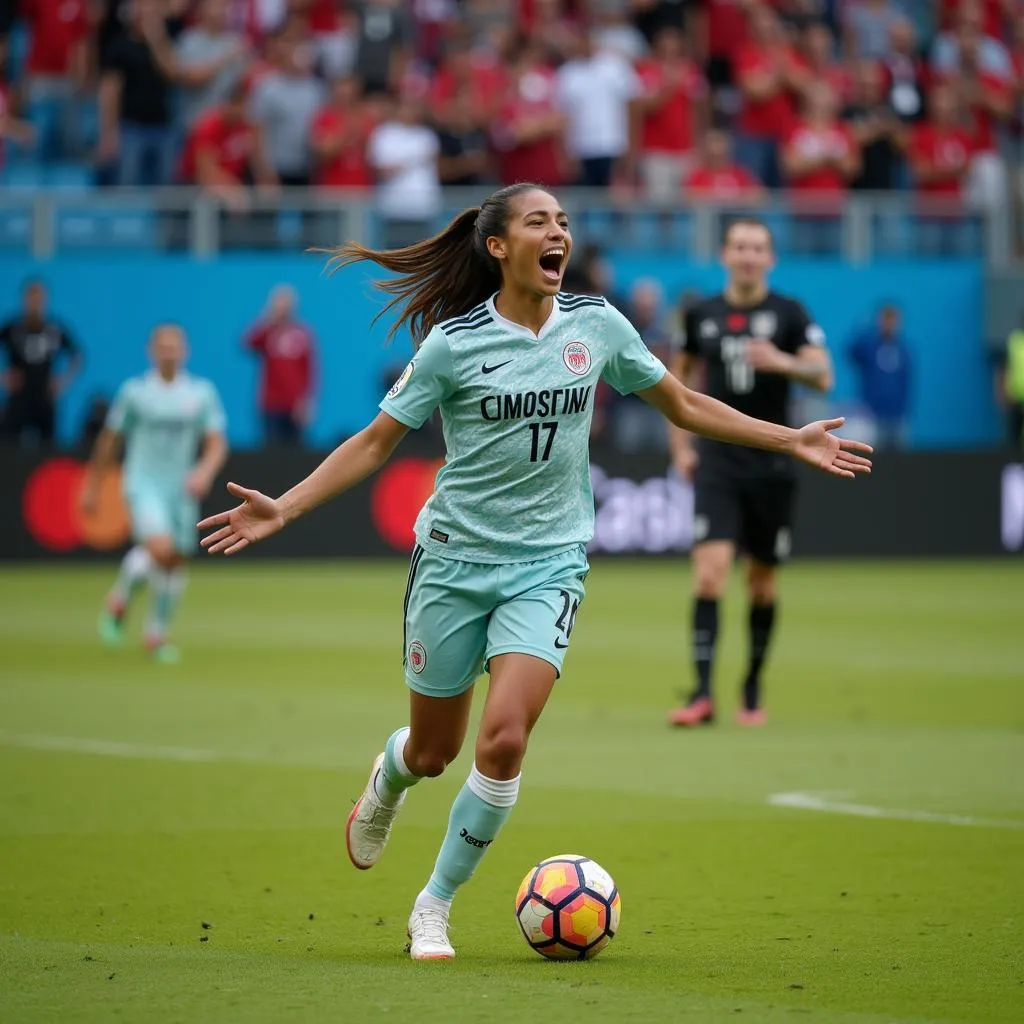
755 513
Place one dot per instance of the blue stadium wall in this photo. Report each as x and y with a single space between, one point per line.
110 304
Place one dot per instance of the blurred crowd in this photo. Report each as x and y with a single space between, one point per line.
711 98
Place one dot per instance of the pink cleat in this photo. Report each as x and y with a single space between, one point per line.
700 711
751 718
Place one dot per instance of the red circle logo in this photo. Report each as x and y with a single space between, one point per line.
417 657
399 492
52 514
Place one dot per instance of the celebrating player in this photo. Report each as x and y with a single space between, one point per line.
164 417
748 343
497 574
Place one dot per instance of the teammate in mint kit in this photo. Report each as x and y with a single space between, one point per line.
497 575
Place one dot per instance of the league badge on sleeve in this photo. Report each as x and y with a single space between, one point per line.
403 379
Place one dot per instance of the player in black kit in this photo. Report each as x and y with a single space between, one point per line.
746 345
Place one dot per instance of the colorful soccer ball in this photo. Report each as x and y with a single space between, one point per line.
568 908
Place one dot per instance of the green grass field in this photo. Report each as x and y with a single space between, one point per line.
139 801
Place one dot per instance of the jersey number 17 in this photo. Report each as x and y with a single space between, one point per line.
537 452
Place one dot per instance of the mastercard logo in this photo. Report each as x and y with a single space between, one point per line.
51 508
399 492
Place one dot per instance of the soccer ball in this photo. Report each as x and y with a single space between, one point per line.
568 908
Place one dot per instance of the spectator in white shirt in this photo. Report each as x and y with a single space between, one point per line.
284 103
596 89
993 57
403 152
211 59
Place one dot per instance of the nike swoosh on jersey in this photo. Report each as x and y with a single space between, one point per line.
497 366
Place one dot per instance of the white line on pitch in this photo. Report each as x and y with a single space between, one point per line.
814 802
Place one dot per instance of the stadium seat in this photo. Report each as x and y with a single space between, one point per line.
69 176
22 174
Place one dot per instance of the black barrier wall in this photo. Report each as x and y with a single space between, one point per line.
913 505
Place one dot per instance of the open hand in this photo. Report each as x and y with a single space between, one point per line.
816 446
256 518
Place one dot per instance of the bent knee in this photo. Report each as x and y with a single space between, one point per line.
161 550
427 765
503 748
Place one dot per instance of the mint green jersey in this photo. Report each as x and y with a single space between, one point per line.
516 412
163 423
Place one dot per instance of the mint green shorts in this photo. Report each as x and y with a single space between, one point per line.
158 510
459 615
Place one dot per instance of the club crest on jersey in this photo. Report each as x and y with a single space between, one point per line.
576 357
401 382
417 657
764 324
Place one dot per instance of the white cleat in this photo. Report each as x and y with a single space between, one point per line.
428 935
369 824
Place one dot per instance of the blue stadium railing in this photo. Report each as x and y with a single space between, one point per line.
65 219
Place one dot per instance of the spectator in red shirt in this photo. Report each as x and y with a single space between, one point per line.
224 153
285 347
819 159
941 147
672 109
718 179
463 70
820 154
720 29
56 67
529 131
941 153
340 132
817 60
768 76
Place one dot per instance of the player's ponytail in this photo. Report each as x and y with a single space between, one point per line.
443 276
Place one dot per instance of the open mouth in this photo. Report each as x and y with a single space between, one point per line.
551 262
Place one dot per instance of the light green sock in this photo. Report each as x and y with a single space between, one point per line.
481 808
394 777
167 586
135 566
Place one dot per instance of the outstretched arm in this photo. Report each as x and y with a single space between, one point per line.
260 516
104 453
813 444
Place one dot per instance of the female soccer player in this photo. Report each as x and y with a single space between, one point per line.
498 570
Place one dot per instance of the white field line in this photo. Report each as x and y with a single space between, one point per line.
815 802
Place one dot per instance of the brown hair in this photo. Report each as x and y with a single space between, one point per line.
443 276
747 222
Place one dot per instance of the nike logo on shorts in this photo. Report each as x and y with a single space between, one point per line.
497 366
560 645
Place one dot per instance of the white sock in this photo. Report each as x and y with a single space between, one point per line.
134 567
427 901
496 792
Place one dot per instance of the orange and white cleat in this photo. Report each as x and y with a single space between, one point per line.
751 718
699 711
369 825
